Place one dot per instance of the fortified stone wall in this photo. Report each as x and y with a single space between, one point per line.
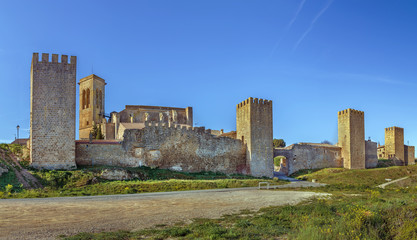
409 154
142 114
180 149
371 154
394 143
254 128
351 138
310 156
52 112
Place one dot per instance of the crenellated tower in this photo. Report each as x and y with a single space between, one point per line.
52 112
351 138
394 143
92 90
254 128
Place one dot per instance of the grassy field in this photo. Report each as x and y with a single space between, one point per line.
87 182
360 177
356 210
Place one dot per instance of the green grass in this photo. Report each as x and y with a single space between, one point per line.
360 177
135 186
377 214
369 213
87 182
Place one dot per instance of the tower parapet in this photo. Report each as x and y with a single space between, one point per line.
52 112
254 128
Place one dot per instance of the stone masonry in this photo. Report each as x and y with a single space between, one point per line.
409 155
254 128
310 156
52 112
174 147
394 143
91 109
351 138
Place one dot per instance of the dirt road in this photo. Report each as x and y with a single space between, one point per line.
50 217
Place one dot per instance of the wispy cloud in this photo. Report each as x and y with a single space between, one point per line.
296 14
288 27
370 78
318 75
323 10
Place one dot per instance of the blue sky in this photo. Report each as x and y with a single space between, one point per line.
311 58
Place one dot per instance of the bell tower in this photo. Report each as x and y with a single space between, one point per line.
91 103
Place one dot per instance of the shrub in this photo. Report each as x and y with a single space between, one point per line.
9 188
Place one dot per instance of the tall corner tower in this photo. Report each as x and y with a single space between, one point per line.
351 138
394 143
91 103
52 112
254 128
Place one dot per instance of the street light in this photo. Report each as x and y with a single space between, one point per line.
17 131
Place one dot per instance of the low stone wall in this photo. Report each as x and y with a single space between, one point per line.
180 149
100 152
310 156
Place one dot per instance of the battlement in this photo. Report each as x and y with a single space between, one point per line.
351 111
394 129
45 59
254 101
181 127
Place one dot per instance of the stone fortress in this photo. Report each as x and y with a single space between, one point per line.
164 137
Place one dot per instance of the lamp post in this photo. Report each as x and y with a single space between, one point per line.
17 131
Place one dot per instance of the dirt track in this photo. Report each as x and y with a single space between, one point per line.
48 218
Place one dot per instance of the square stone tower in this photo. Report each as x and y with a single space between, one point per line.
351 137
254 128
52 112
394 143
92 90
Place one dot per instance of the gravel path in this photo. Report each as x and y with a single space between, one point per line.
391 182
50 217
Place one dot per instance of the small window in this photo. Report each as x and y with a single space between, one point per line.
87 123
83 100
88 98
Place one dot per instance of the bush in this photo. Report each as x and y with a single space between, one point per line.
9 188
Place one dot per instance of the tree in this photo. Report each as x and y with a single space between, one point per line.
278 143
96 132
327 142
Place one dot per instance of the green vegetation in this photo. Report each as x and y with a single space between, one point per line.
376 214
8 178
356 178
16 149
357 209
277 160
278 143
96 132
88 182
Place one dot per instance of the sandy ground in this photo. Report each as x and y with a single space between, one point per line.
51 217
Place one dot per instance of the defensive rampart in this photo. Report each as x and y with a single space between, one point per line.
168 147
310 156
